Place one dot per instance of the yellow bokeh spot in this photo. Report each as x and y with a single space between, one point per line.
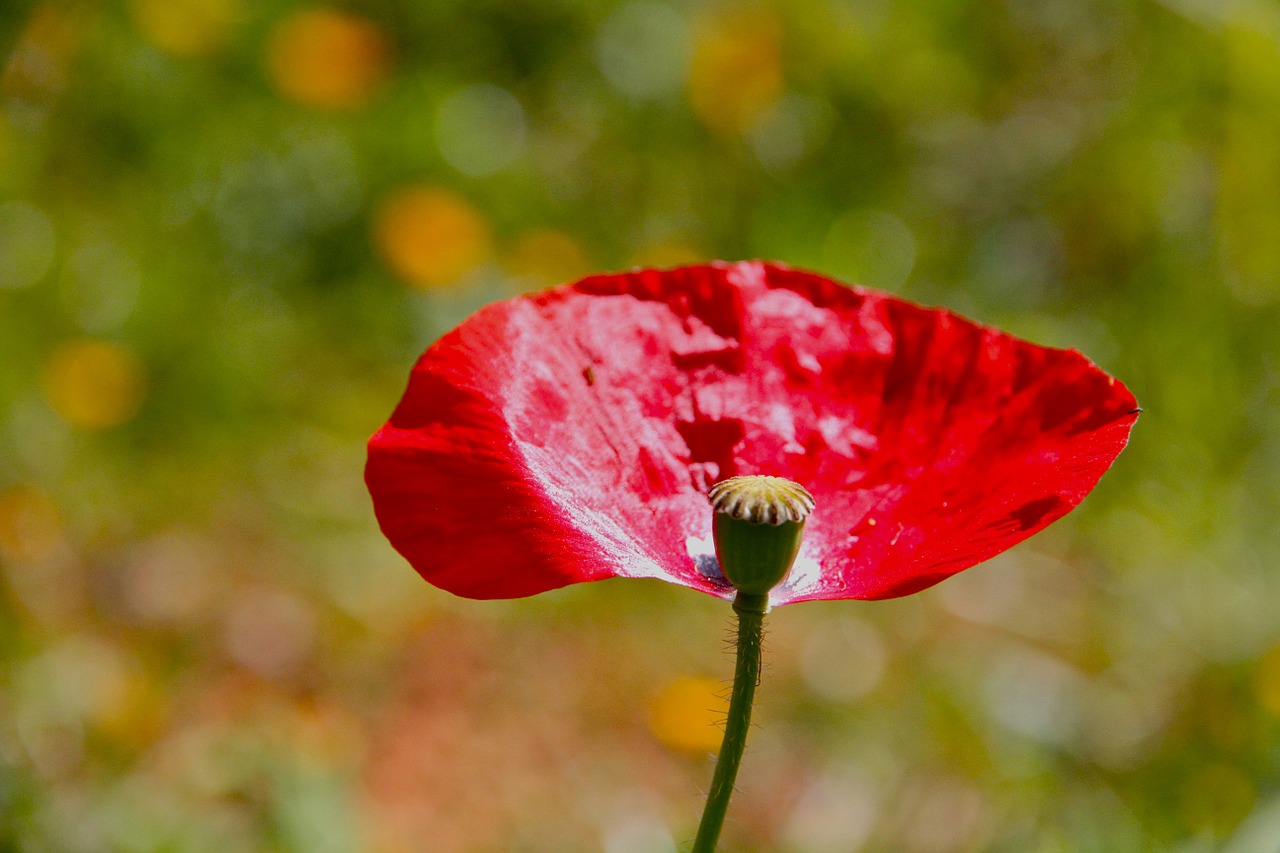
130 708
94 384
736 72
30 524
42 54
324 733
689 714
430 236
329 59
549 255
669 254
186 27
1216 799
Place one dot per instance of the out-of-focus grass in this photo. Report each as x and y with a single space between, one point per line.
226 229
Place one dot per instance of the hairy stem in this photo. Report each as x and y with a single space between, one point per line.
750 610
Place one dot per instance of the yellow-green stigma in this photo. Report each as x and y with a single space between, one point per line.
757 527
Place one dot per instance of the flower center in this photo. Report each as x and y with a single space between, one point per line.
757 527
761 500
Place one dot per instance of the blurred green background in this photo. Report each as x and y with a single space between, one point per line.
227 228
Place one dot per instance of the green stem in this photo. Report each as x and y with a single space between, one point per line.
750 610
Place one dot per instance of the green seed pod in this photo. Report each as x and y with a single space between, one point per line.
758 526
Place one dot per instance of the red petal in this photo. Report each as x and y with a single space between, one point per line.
572 435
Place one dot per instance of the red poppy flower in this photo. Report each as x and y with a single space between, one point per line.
572 435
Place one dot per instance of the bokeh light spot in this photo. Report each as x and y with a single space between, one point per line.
871 247
481 129
1017 260
186 27
786 131
269 633
132 708
87 677
549 256
26 245
736 72
843 660
835 813
100 284
430 236
30 524
94 384
37 66
168 579
637 833
1216 799
328 59
643 49
688 714
667 253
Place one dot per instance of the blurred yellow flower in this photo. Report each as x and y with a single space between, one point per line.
325 58
30 524
549 255
94 384
689 714
186 27
736 72
430 236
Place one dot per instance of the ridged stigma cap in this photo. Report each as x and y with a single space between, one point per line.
757 527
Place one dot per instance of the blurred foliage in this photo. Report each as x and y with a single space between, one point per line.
227 228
